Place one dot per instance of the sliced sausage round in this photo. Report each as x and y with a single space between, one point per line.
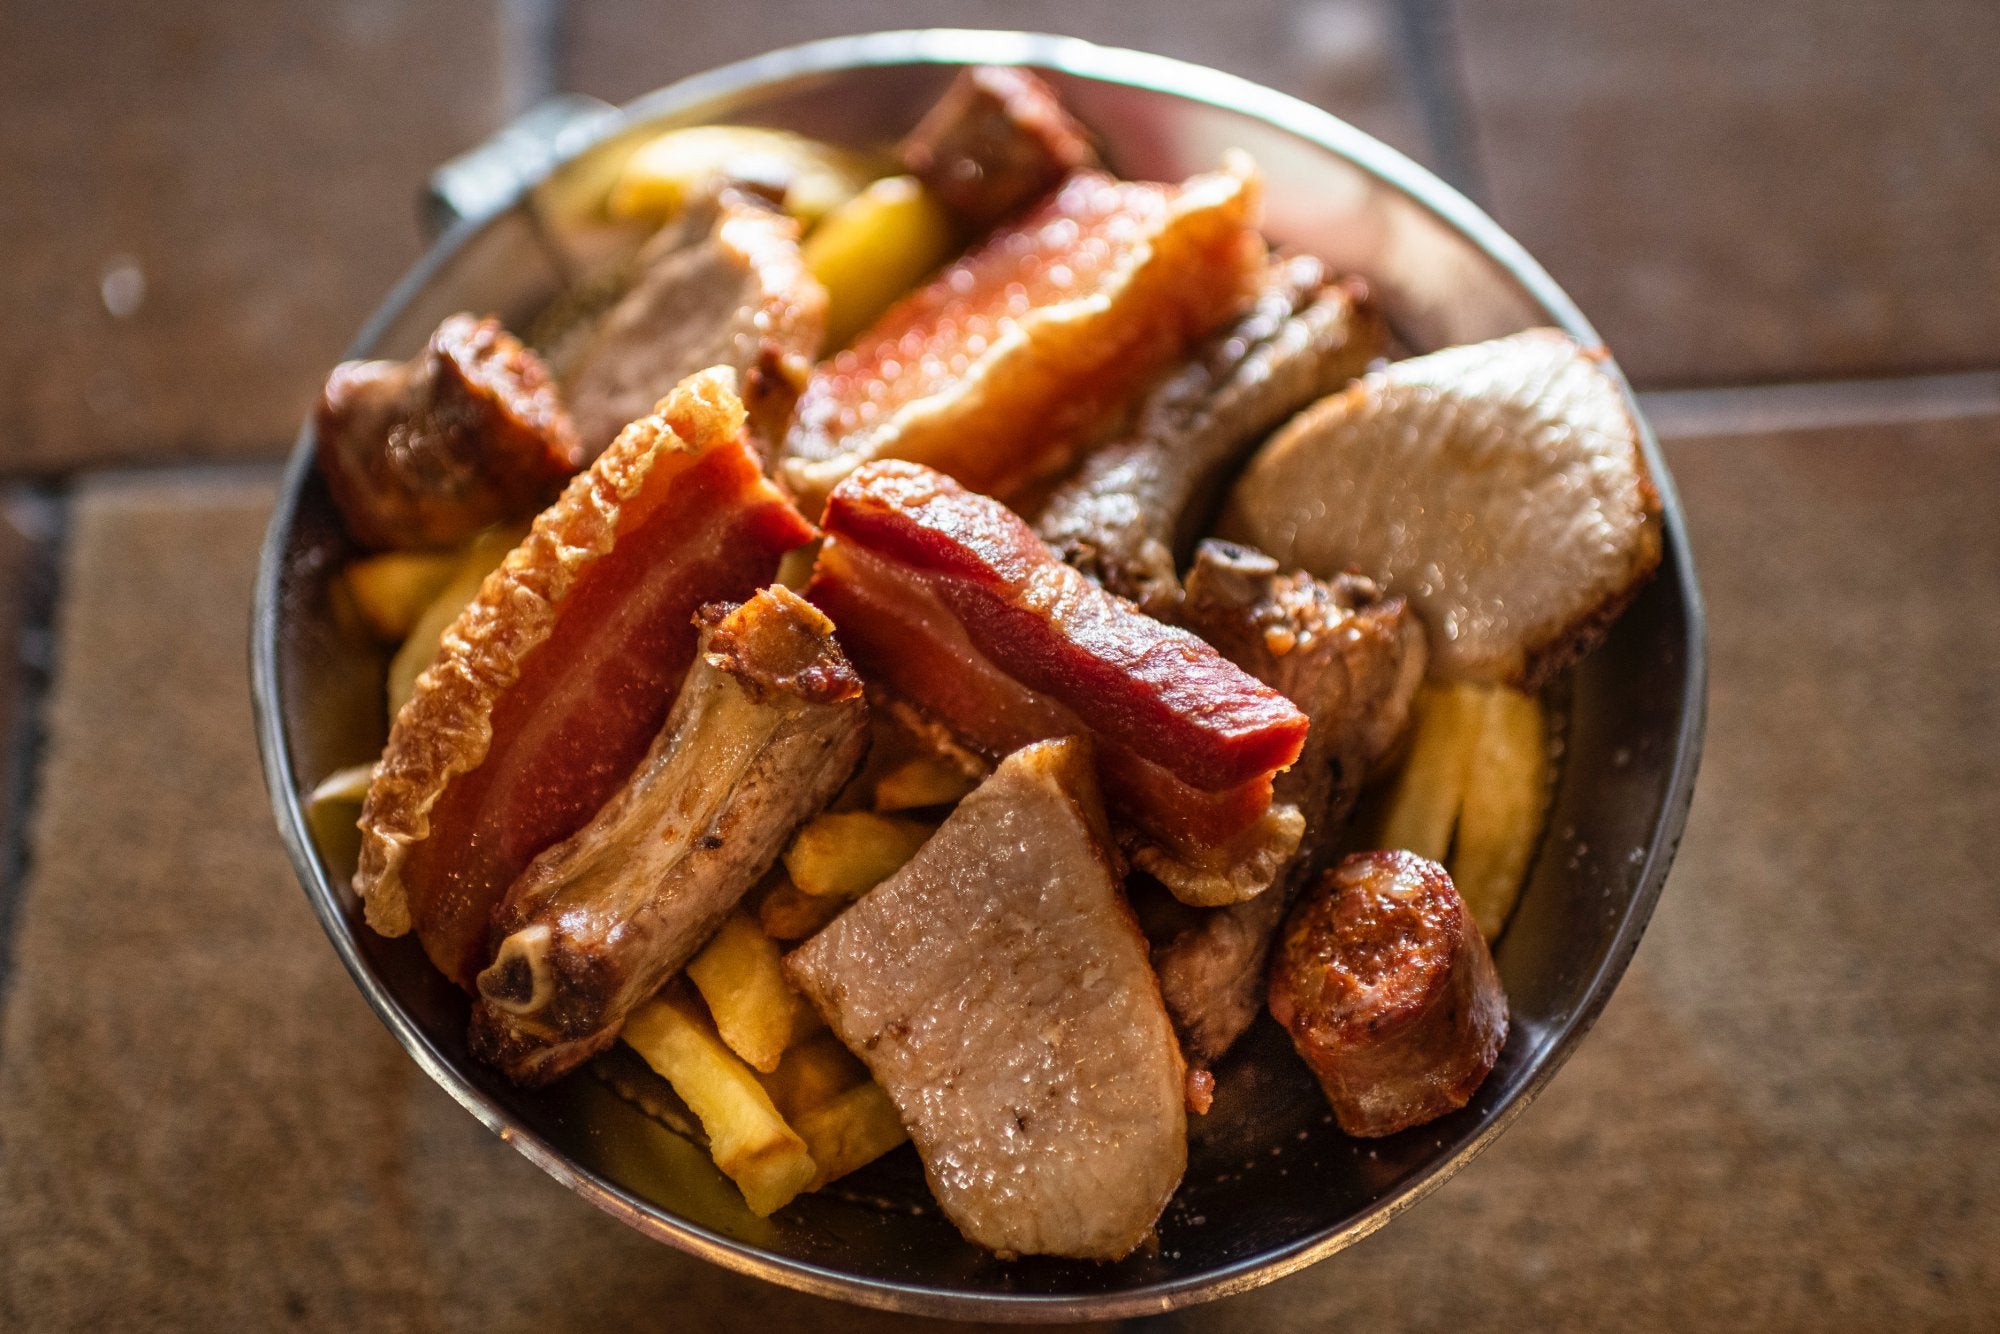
1386 986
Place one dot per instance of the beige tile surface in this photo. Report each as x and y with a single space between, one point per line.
201 201
1746 192
1341 54
1789 1117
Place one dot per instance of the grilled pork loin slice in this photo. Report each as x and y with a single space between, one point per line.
1130 514
1384 981
1499 487
998 990
722 284
768 726
426 452
1352 660
552 684
1000 368
948 600
997 141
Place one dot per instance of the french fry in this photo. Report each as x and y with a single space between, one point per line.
755 1009
750 1142
813 1073
844 854
1506 791
873 249
666 171
923 781
788 913
481 556
851 1131
1423 804
392 590
343 787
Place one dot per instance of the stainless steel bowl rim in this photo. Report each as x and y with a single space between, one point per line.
1111 65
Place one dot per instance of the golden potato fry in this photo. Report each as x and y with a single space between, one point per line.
851 1131
844 854
788 913
755 1009
1506 792
750 1142
481 556
392 590
815 1072
813 178
873 249
1423 803
343 787
924 781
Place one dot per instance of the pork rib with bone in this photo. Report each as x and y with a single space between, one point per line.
997 988
768 725
948 601
1351 659
1130 514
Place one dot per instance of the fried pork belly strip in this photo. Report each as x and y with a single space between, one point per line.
550 687
1130 514
1352 660
1007 362
768 725
949 600
997 988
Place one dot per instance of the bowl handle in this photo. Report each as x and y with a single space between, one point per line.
484 180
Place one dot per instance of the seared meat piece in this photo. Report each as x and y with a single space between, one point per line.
720 285
949 600
426 452
1006 363
1385 984
997 141
1130 514
549 688
1351 660
768 726
1499 487
998 989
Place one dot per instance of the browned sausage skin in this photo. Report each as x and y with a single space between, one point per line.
1389 993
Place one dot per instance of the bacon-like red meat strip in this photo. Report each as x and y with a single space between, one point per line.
947 599
1155 689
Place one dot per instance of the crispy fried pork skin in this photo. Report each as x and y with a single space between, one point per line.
1002 366
1384 982
997 141
1130 514
426 452
768 726
948 599
549 688
1499 487
1351 660
997 988
722 284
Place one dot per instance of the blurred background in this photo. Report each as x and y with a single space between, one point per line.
1784 218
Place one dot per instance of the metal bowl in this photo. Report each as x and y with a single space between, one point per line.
1271 1185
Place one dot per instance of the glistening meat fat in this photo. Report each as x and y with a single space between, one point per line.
767 727
549 688
997 988
949 600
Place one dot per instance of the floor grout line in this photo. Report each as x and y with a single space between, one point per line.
1693 414
41 516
